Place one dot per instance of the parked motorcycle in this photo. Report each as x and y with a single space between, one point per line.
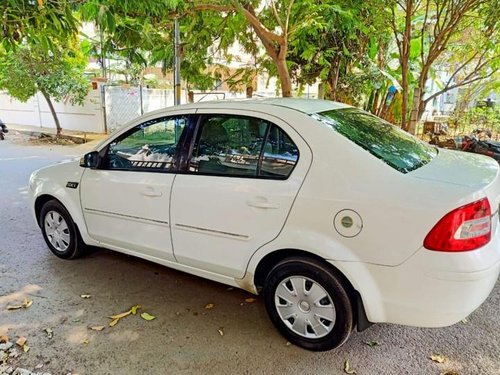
3 130
471 143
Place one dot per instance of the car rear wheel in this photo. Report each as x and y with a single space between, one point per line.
309 304
59 231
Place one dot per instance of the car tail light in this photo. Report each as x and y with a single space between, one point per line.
466 228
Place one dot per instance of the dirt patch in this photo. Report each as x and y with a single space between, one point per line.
31 140
51 140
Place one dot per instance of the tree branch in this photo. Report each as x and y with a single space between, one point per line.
423 32
276 15
288 12
259 28
460 84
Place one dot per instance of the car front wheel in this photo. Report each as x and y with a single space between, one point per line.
59 231
309 304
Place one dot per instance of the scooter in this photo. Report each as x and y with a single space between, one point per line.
3 130
471 143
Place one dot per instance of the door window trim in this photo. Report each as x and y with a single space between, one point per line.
195 138
180 154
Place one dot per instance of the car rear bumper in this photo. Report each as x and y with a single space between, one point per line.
431 289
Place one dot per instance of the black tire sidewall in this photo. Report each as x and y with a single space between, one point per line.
73 249
318 272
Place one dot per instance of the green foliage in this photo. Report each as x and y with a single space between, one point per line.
40 22
58 73
476 118
340 46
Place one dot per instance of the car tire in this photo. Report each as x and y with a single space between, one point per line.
60 232
309 304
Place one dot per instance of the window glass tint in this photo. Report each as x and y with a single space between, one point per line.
229 145
150 146
392 145
280 154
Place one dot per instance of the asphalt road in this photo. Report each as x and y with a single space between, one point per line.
233 337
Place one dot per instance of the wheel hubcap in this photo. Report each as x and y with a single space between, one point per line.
57 231
305 307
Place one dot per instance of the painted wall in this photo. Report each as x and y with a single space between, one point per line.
35 112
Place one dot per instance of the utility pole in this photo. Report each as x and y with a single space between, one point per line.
103 57
177 64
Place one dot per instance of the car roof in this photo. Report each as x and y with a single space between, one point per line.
302 105
307 106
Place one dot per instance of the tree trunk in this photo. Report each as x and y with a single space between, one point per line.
418 106
375 105
54 114
412 126
321 90
333 78
421 107
404 100
404 46
284 76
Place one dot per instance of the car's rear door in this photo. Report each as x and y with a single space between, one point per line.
244 173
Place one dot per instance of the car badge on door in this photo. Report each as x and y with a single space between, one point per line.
72 185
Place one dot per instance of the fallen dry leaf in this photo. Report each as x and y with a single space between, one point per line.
209 306
147 316
4 339
221 332
14 307
120 316
347 368
439 358
97 328
86 341
116 318
113 322
26 303
85 296
250 300
21 341
26 348
134 309
49 332
371 344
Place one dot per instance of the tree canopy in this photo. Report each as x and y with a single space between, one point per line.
57 74
379 54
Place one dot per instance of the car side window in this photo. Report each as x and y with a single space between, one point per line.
150 146
280 154
241 146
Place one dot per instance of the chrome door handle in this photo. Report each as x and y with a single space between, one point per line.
151 192
262 203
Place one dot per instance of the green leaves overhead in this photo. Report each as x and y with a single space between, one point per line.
354 47
37 22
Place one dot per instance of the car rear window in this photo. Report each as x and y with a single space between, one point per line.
390 144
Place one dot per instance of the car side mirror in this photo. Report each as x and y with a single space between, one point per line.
90 160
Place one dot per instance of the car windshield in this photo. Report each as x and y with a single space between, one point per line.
392 145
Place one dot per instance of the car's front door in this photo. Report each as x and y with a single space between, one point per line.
237 190
126 200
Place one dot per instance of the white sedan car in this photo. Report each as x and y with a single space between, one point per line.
338 218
